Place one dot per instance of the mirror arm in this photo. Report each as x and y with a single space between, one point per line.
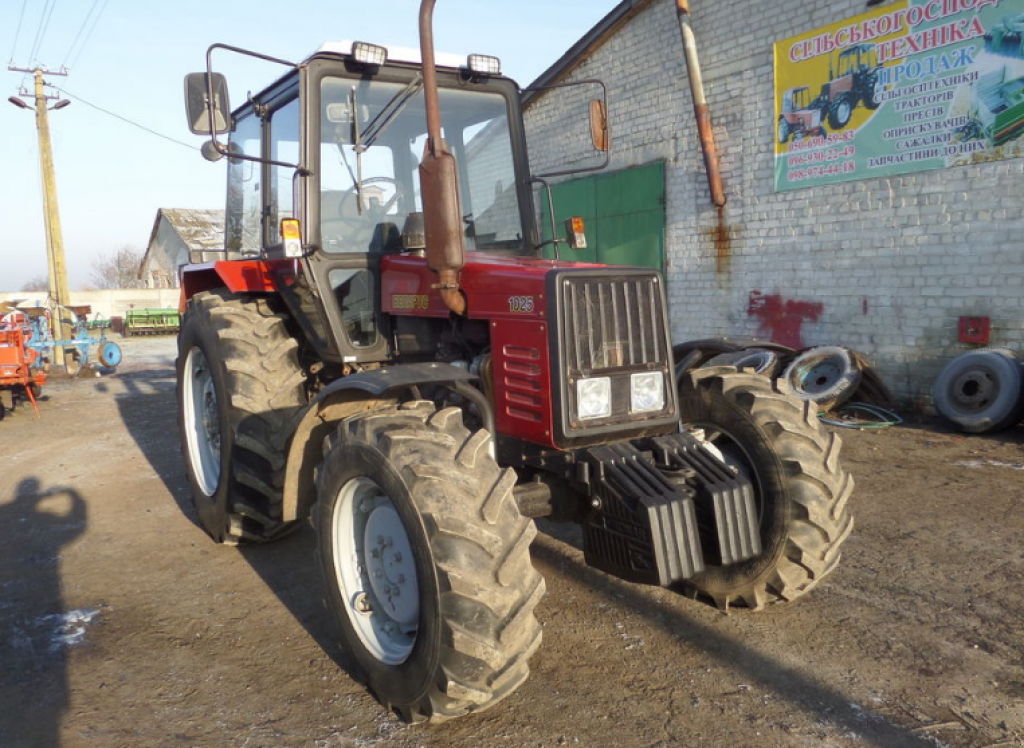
608 128
211 113
551 216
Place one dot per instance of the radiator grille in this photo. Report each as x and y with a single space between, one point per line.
612 323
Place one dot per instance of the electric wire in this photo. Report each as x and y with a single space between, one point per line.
88 34
124 119
17 33
44 24
78 35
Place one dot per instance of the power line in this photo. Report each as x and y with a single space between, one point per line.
44 24
88 34
17 33
81 28
124 119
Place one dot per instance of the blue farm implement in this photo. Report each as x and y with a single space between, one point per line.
79 347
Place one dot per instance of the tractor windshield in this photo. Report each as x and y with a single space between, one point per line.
371 143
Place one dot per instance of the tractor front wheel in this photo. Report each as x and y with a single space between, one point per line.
764 431
239 386
840 112
426 561
783 131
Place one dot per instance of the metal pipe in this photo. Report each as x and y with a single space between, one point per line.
439 183
700 105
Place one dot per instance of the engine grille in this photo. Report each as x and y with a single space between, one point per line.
612 322
611 325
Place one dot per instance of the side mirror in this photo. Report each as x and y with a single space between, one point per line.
198 106
599 125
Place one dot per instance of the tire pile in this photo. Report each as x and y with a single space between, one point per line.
981 391
829 376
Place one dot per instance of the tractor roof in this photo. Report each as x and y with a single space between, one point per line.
396 54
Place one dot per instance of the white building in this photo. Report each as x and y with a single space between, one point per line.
884 265
175 232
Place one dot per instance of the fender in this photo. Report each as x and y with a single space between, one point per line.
238 276
358 393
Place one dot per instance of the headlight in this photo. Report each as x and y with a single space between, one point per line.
646 392
594 398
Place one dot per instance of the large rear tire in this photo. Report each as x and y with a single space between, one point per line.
239 387
426 560
801 490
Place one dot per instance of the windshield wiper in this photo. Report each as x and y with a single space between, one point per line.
362 141
390 111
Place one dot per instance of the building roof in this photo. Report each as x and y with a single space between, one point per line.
587 43
198 229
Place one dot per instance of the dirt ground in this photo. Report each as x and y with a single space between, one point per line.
121 624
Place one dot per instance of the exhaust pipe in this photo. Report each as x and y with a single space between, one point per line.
700 105
439 183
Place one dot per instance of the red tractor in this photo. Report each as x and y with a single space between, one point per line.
381 347
801 117
853 80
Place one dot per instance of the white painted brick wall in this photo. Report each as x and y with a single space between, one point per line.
893 261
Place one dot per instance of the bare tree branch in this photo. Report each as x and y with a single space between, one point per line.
117 269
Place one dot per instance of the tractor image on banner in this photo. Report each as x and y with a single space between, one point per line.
909 86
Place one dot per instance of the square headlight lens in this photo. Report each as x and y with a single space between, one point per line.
647 392
594 398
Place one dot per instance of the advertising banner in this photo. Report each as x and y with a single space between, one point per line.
915 85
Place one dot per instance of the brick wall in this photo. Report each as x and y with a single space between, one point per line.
885 266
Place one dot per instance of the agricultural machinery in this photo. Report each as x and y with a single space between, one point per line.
853 80
80 349
151 321
998 107
1006 38
382 348
801 117
21 370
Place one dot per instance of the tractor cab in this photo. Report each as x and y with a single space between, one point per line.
860 58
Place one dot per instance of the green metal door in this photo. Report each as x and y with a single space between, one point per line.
624 213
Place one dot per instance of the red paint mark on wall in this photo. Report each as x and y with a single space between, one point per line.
782 319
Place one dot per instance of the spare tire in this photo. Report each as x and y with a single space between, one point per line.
981 391
826 375
761 360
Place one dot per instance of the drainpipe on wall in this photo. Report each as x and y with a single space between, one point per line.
700 105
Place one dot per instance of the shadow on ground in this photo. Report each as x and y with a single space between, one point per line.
35 525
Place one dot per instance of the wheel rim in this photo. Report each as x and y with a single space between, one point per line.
974 390
844 112
202 422
783 131
817 377
375 570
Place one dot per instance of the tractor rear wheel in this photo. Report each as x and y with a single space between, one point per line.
801 491
239 387
426 561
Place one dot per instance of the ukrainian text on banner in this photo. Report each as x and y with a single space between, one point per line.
916 85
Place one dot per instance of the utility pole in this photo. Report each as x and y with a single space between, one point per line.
59 295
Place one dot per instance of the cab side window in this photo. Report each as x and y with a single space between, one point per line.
244 199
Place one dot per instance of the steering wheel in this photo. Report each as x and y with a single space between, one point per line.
349 226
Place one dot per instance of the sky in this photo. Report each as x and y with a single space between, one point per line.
129 57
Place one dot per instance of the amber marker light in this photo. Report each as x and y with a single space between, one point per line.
291 235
